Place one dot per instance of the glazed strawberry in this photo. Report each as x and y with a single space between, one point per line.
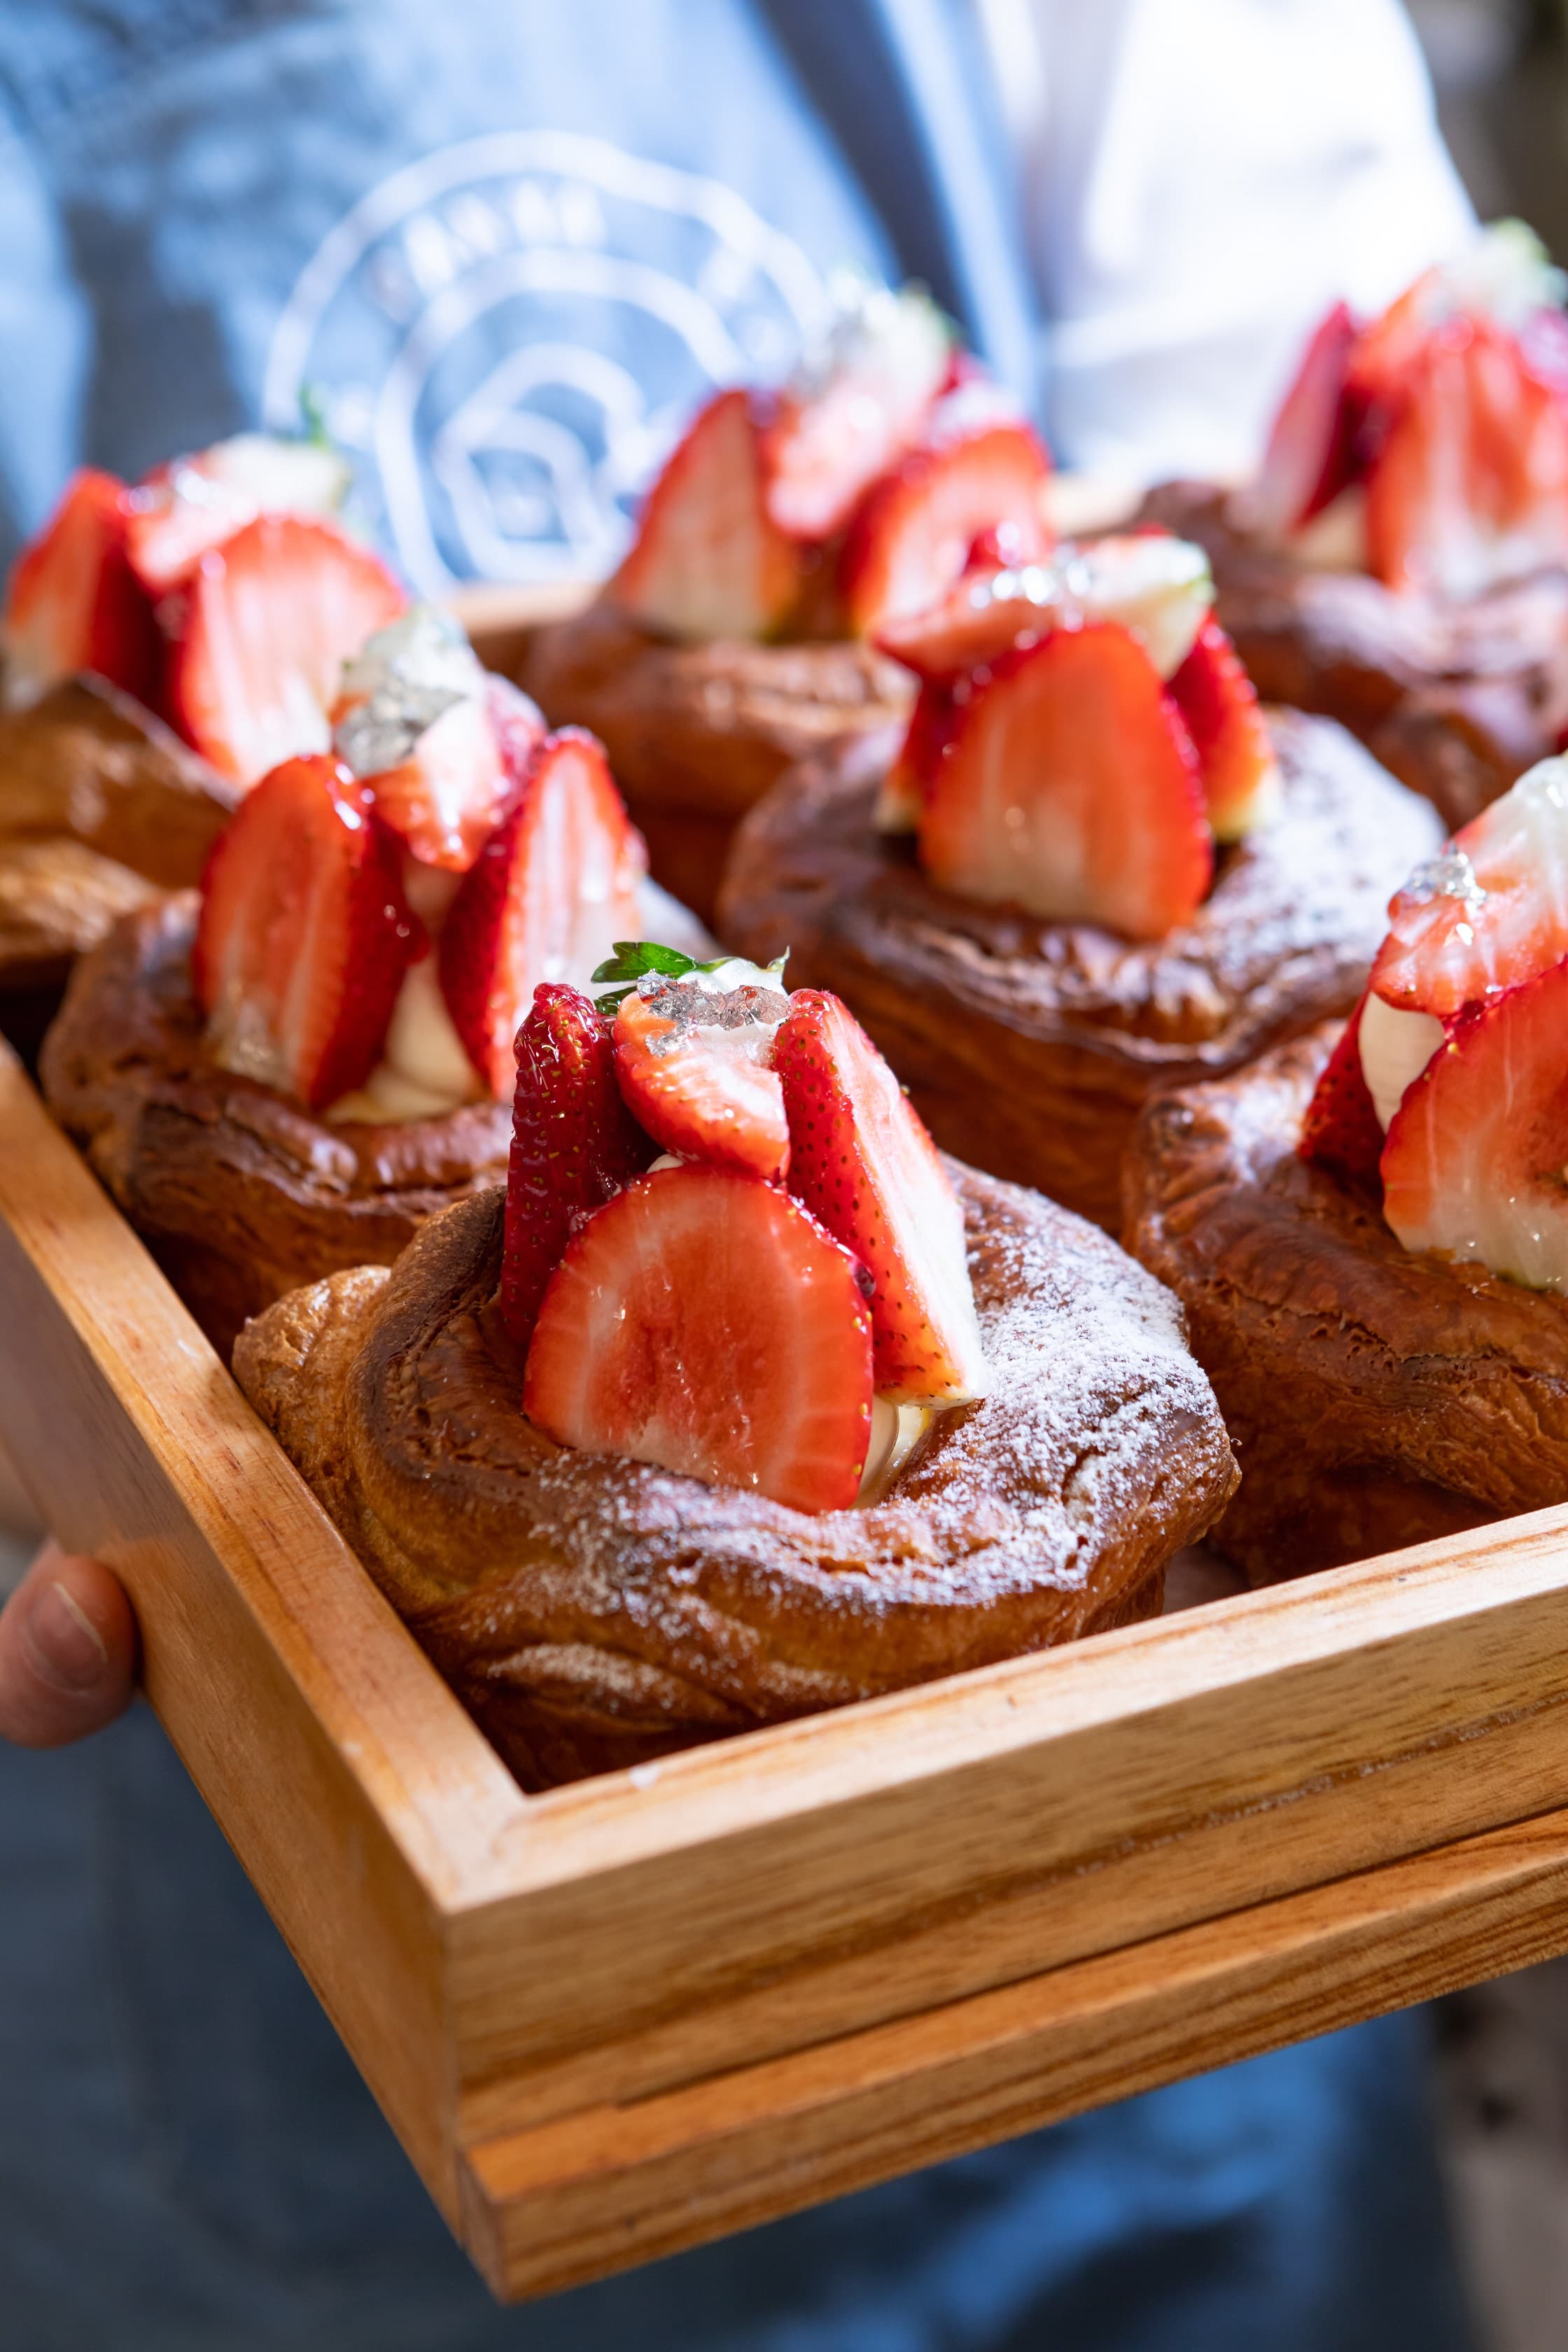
910 537
863 1163
863 401
934 723
183 509
304 934
74 604
707 561
442 745
1235 757
705 1322
1156 586
1340 1130
270 619
1491 911
1470 485
554 886
574 1144
1071 789
1311 457
1473 1165
692 1055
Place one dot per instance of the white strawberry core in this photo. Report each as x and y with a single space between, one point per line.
1395 1047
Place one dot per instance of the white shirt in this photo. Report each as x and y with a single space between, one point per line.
1201 180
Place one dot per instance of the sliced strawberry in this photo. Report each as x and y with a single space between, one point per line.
704 1322
554 887
1071 789
304 934
269 621
1156 585
1235 757
862 1161
692 1057
707 560
1470 486
183 509
856 409
1340 1130
574 1144
74 604
442 745
911 534
1491 911
1474 1160
934 723
1311 455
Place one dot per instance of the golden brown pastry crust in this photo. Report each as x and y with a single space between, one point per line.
101 806
1457 700
697 734
1374 1399
592 1611
239 1193
1030 1046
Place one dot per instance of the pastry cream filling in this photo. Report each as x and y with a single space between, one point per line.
423 1072
1395 1047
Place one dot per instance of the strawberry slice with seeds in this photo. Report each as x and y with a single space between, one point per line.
1156 585
304 934
1310 456
1340 1130
704 1322
195 503
270 620
1071 789
707 560
911 534
74 604
692 1054
1235 757
861 1161
574 1144
1490 912
1474 1160
856 408
442 745
1470 485
554 887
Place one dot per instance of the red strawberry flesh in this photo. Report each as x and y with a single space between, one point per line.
707 560
1071 789
1491 911
74 604
268 623
704 1322
911 535
1474 1162
555 885
304 935
1310 454
1235 757
1340 1130
574 1144
861 1161
693 1067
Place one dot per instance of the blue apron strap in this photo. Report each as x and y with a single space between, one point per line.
906 89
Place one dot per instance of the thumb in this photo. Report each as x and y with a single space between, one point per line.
67 1652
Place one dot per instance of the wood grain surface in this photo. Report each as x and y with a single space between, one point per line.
634 2013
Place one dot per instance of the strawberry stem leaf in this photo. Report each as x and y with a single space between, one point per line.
633 959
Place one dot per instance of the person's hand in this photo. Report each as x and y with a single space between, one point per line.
67 1652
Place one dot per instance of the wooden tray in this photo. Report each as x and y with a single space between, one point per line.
620 2018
